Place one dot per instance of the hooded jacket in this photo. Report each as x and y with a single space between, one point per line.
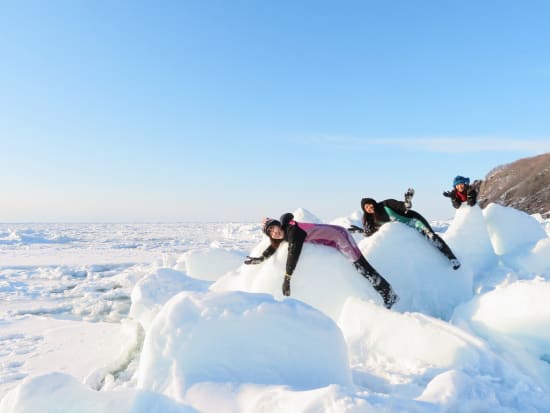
386 211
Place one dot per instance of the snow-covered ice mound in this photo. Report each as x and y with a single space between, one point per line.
515 320
153 290
511 230
536 260
422 277
59 392
241 337
469 239
210 264
323 278
374 334
304 215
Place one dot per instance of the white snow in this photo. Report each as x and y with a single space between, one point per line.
422 277
247 338
210 264
166 318
511 229
59 392
469 238
153 290
326 278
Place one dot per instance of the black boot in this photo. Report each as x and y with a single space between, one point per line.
378 282
438 242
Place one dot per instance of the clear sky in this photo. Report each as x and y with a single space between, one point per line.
233 110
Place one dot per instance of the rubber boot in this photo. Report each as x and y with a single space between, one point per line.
378 282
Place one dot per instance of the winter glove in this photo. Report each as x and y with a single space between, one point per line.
253 260
454 200
471 198
408 198
355 228
286 285
368 231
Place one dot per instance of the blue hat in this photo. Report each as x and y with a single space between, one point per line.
461 180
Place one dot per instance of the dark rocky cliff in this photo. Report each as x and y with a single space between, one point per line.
523 184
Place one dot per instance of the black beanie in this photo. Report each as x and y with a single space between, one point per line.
365 201
268 223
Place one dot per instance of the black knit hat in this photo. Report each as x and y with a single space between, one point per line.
269 222
365 201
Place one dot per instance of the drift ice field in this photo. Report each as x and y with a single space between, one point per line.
136 318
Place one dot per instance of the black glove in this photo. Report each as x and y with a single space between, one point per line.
355 228
471 198
253 260
286 285
476 185
369 231
408 198
454 200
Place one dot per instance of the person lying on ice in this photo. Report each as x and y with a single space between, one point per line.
376 214
463 191
296 233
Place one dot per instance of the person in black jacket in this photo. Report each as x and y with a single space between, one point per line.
376 214
463 192
296 233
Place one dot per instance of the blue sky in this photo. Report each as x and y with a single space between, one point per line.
218 110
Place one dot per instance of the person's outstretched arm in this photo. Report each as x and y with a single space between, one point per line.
454 199
355 228
296 237
471 196
369 228
268 252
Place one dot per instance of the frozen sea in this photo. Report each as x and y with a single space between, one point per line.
85 271
164 317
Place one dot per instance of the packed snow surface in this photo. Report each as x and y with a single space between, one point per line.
167 318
